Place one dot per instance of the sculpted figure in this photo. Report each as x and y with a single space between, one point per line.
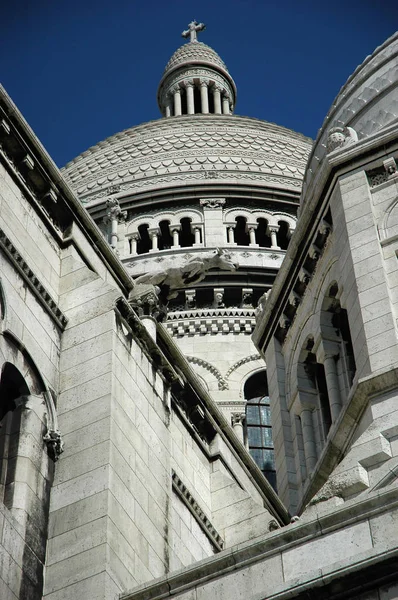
339 137
169 281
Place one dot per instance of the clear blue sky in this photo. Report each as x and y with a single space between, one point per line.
80 70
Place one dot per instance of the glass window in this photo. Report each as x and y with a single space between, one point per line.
259 436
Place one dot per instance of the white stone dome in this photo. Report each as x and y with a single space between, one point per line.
367 102
191 150
195 53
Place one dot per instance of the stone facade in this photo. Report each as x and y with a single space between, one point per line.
123 466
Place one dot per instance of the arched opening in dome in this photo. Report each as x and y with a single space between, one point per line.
262 236
241 236
165 238
187 238
258 424
197 100
211 103
283 235
184 107
144 242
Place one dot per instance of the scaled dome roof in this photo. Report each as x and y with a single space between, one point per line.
367 102
191 150
195 52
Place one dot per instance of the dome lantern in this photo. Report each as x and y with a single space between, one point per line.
196 80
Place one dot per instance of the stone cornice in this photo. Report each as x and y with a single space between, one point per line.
46 190
205 524
32 281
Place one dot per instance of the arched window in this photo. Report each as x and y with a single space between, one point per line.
144 242
187 238
283 235
262 237
13 394
258 425
165 239
240 233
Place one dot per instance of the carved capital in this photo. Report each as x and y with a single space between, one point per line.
212 202
114 212
237 418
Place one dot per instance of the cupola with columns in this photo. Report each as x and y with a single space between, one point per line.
196 80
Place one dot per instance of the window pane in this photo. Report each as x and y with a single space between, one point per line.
252 415
267 437
257 456
254 436
265 415
268 460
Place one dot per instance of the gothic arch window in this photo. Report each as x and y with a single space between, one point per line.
258 425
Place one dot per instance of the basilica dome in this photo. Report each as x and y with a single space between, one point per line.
367 103
195 53
199 149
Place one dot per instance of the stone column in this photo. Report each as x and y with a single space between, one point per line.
217 99
190 98
153 234
204 97
134 241
177 101
252 236
237 420
332 383
273 231
307 427
176 236
113 217
225 105
168 106
230 234
197 236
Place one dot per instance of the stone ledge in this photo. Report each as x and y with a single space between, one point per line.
288 538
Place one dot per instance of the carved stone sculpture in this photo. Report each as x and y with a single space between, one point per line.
161 286
340 137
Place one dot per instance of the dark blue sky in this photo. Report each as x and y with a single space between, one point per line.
80 70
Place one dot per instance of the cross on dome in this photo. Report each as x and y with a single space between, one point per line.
192 30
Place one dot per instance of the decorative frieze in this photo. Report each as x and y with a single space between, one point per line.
32 281
199 515
222 384
383 173
211 321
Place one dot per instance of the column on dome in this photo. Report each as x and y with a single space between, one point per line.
154 235
252 234
177 101
225 104
230 234
273 230
237 420
197 229
175 232
204 96
169 106
190 98
217 99
133 243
